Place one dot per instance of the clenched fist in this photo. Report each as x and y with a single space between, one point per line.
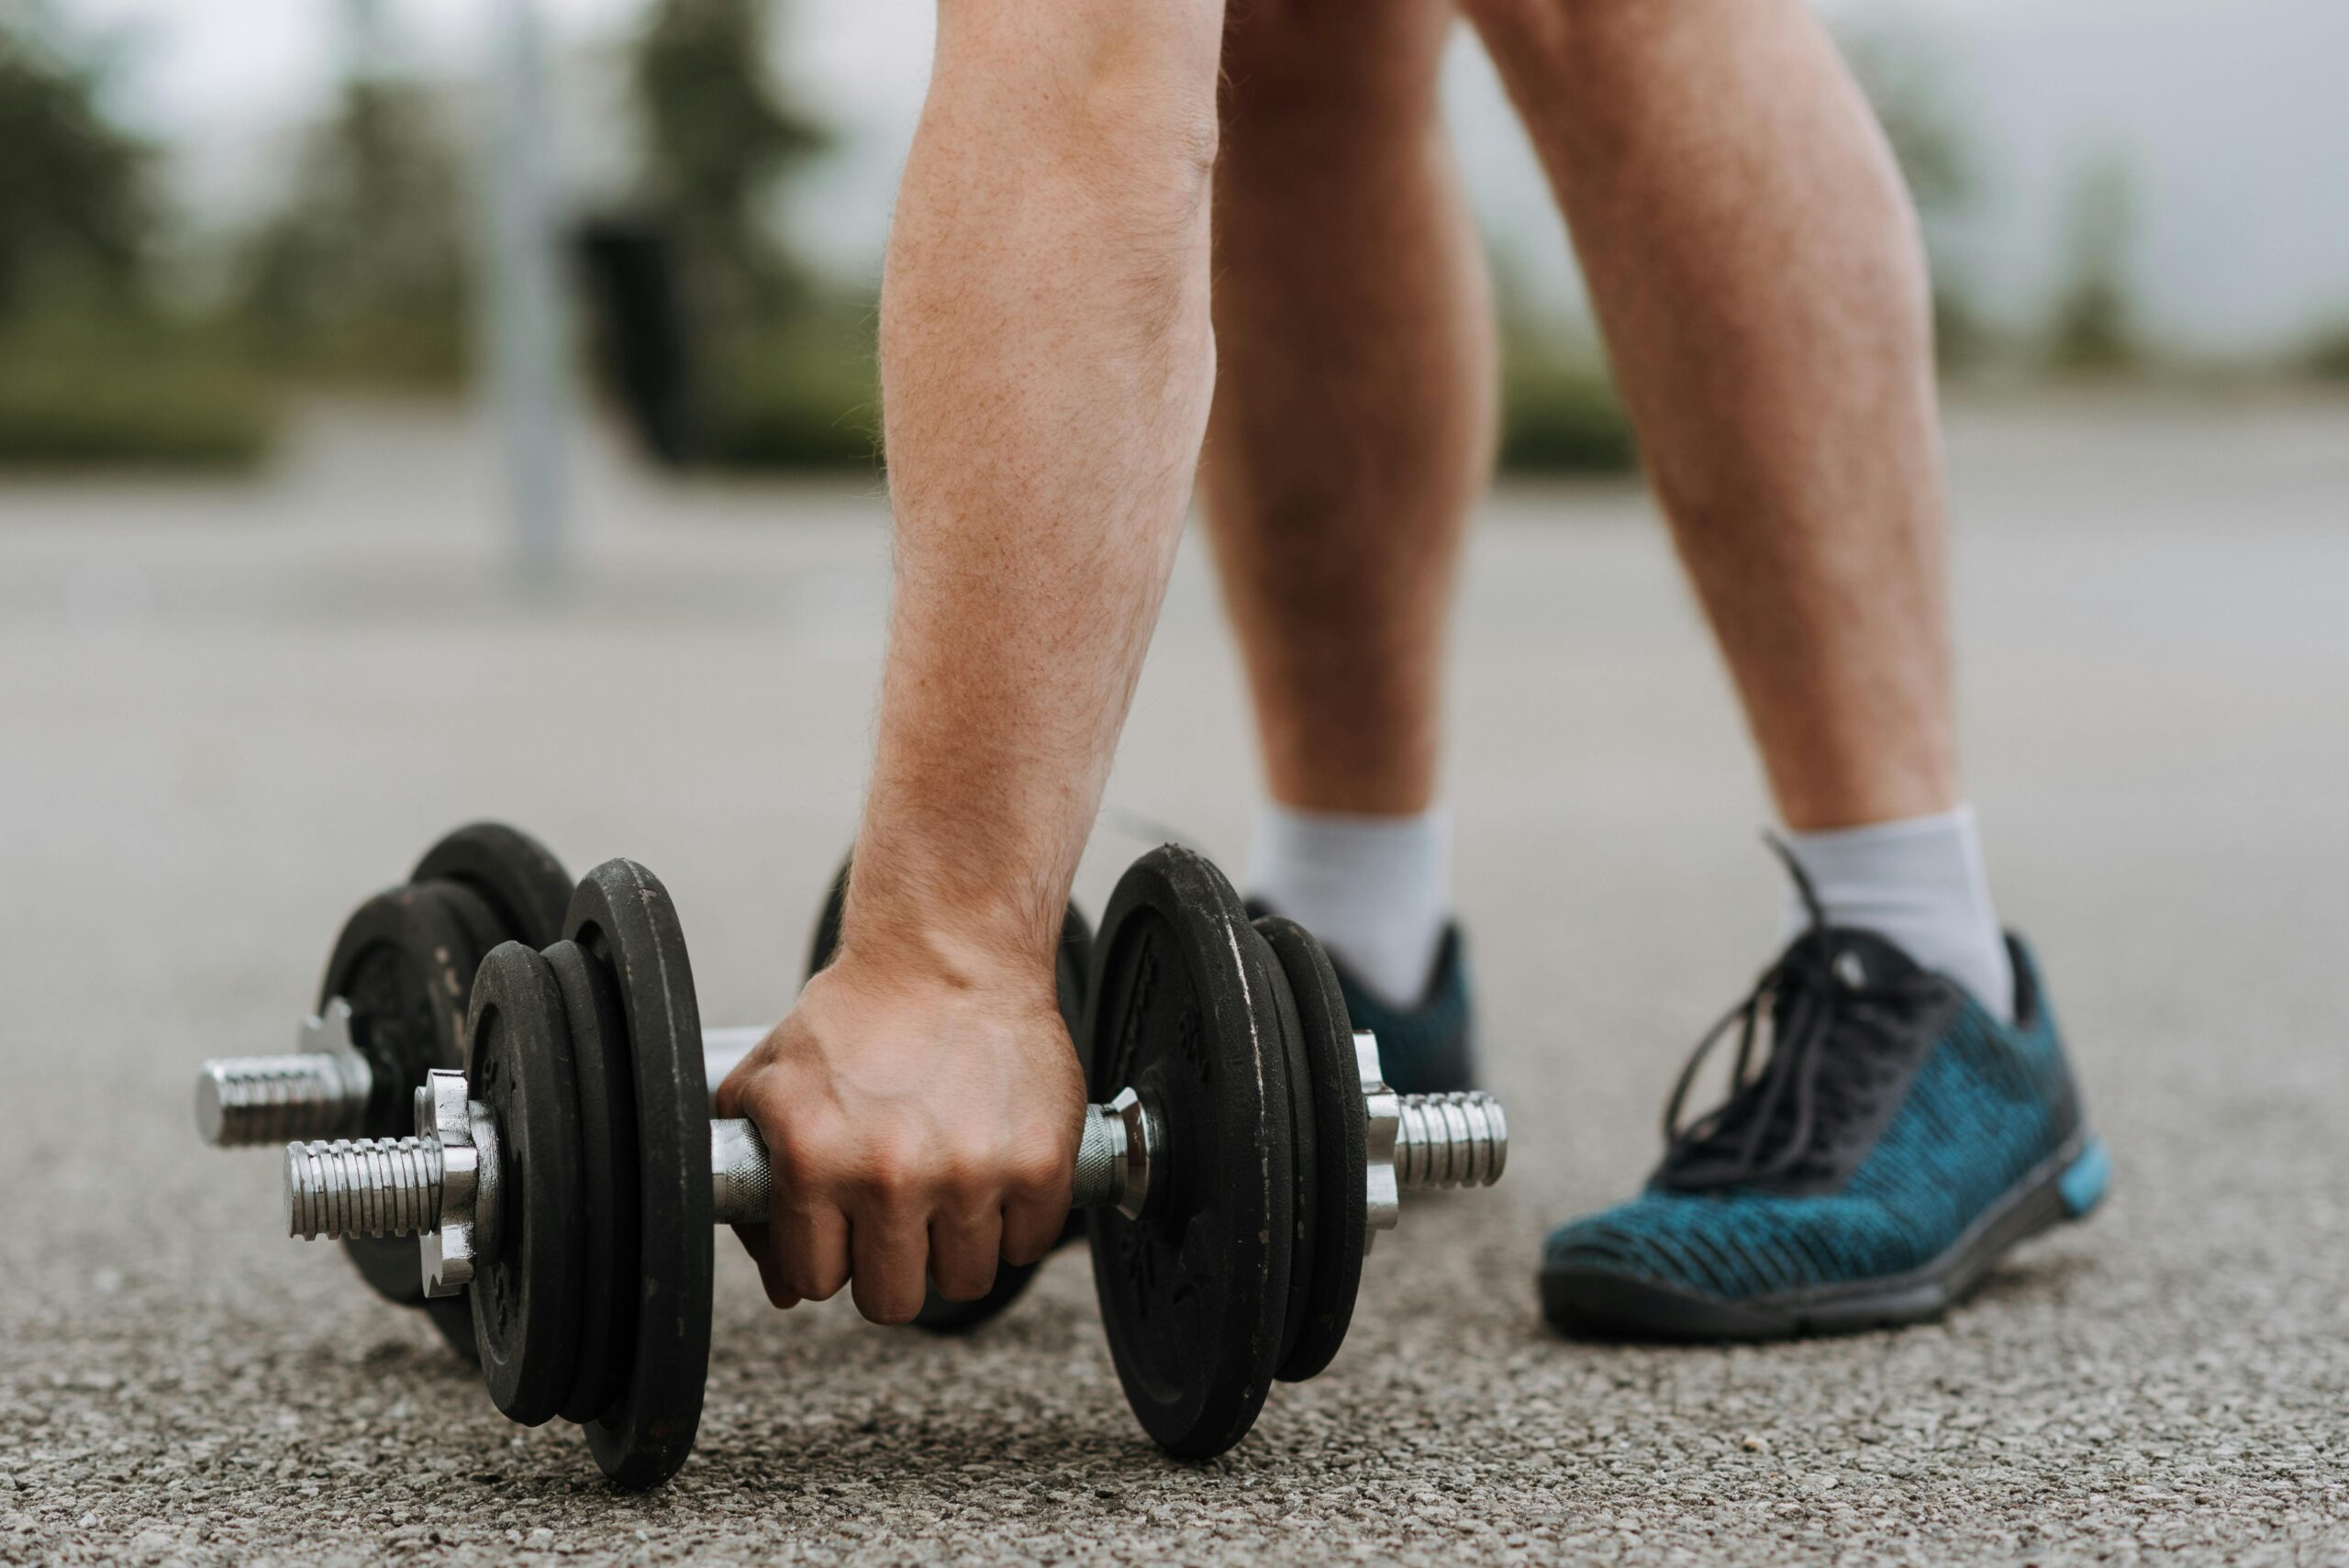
922 1119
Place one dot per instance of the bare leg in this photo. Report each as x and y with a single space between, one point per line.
1354 412
1756 270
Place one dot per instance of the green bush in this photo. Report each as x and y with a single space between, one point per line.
804 395
116 398
2327 355
363 277
77 191
1559 415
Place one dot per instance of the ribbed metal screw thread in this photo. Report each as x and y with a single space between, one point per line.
244 1100
365 1186
1458 1140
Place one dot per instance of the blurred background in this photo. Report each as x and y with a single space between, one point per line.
413 411
215 218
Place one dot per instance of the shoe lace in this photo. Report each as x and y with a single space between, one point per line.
1838 1039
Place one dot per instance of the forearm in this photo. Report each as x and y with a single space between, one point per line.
1046 365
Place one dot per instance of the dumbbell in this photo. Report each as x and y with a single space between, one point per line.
392 1006
1240 1153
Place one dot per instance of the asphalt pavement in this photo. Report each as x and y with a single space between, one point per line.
228 710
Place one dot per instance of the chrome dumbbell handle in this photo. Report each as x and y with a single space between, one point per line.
431 1184
314 1098
1438 1140
404 1186
1112 1163
320 1092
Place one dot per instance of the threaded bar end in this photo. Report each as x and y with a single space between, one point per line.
246 1100
366 1186
1457 1139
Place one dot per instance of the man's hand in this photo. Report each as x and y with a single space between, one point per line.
922 1118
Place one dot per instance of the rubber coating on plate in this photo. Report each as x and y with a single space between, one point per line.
525 1297
1304 1216
404 964
1340 1233
516 875
1194 1294
622 916
600 1070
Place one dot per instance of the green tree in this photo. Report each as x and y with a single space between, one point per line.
720 141
364 271
2326 354
77 209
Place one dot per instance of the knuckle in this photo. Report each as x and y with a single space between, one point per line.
885 1180
807 1155
810 1275
1026 1244
965 1280
968 1173
888 1301
1040 1170
892 1167
1041 1166
816 1284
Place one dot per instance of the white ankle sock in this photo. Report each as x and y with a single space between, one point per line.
1919 883
1376 889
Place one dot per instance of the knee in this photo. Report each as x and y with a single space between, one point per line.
1126 90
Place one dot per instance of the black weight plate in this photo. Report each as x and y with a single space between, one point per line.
1195 1294
405 962
1072 967
1304 1216
453 1316
601 1070
526 1298
621 916
519 878
826 943
1338 1235
484 926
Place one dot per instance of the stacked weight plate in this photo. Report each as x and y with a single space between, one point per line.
404 963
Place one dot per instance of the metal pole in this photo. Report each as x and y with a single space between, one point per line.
525 272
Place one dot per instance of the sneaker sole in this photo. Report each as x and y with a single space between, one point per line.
1588 1304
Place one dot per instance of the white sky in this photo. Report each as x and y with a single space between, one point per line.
2230 113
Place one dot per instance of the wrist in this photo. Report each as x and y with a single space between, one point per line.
968 907
951 943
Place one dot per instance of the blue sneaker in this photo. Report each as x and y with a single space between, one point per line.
1429 1049
1896 1143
